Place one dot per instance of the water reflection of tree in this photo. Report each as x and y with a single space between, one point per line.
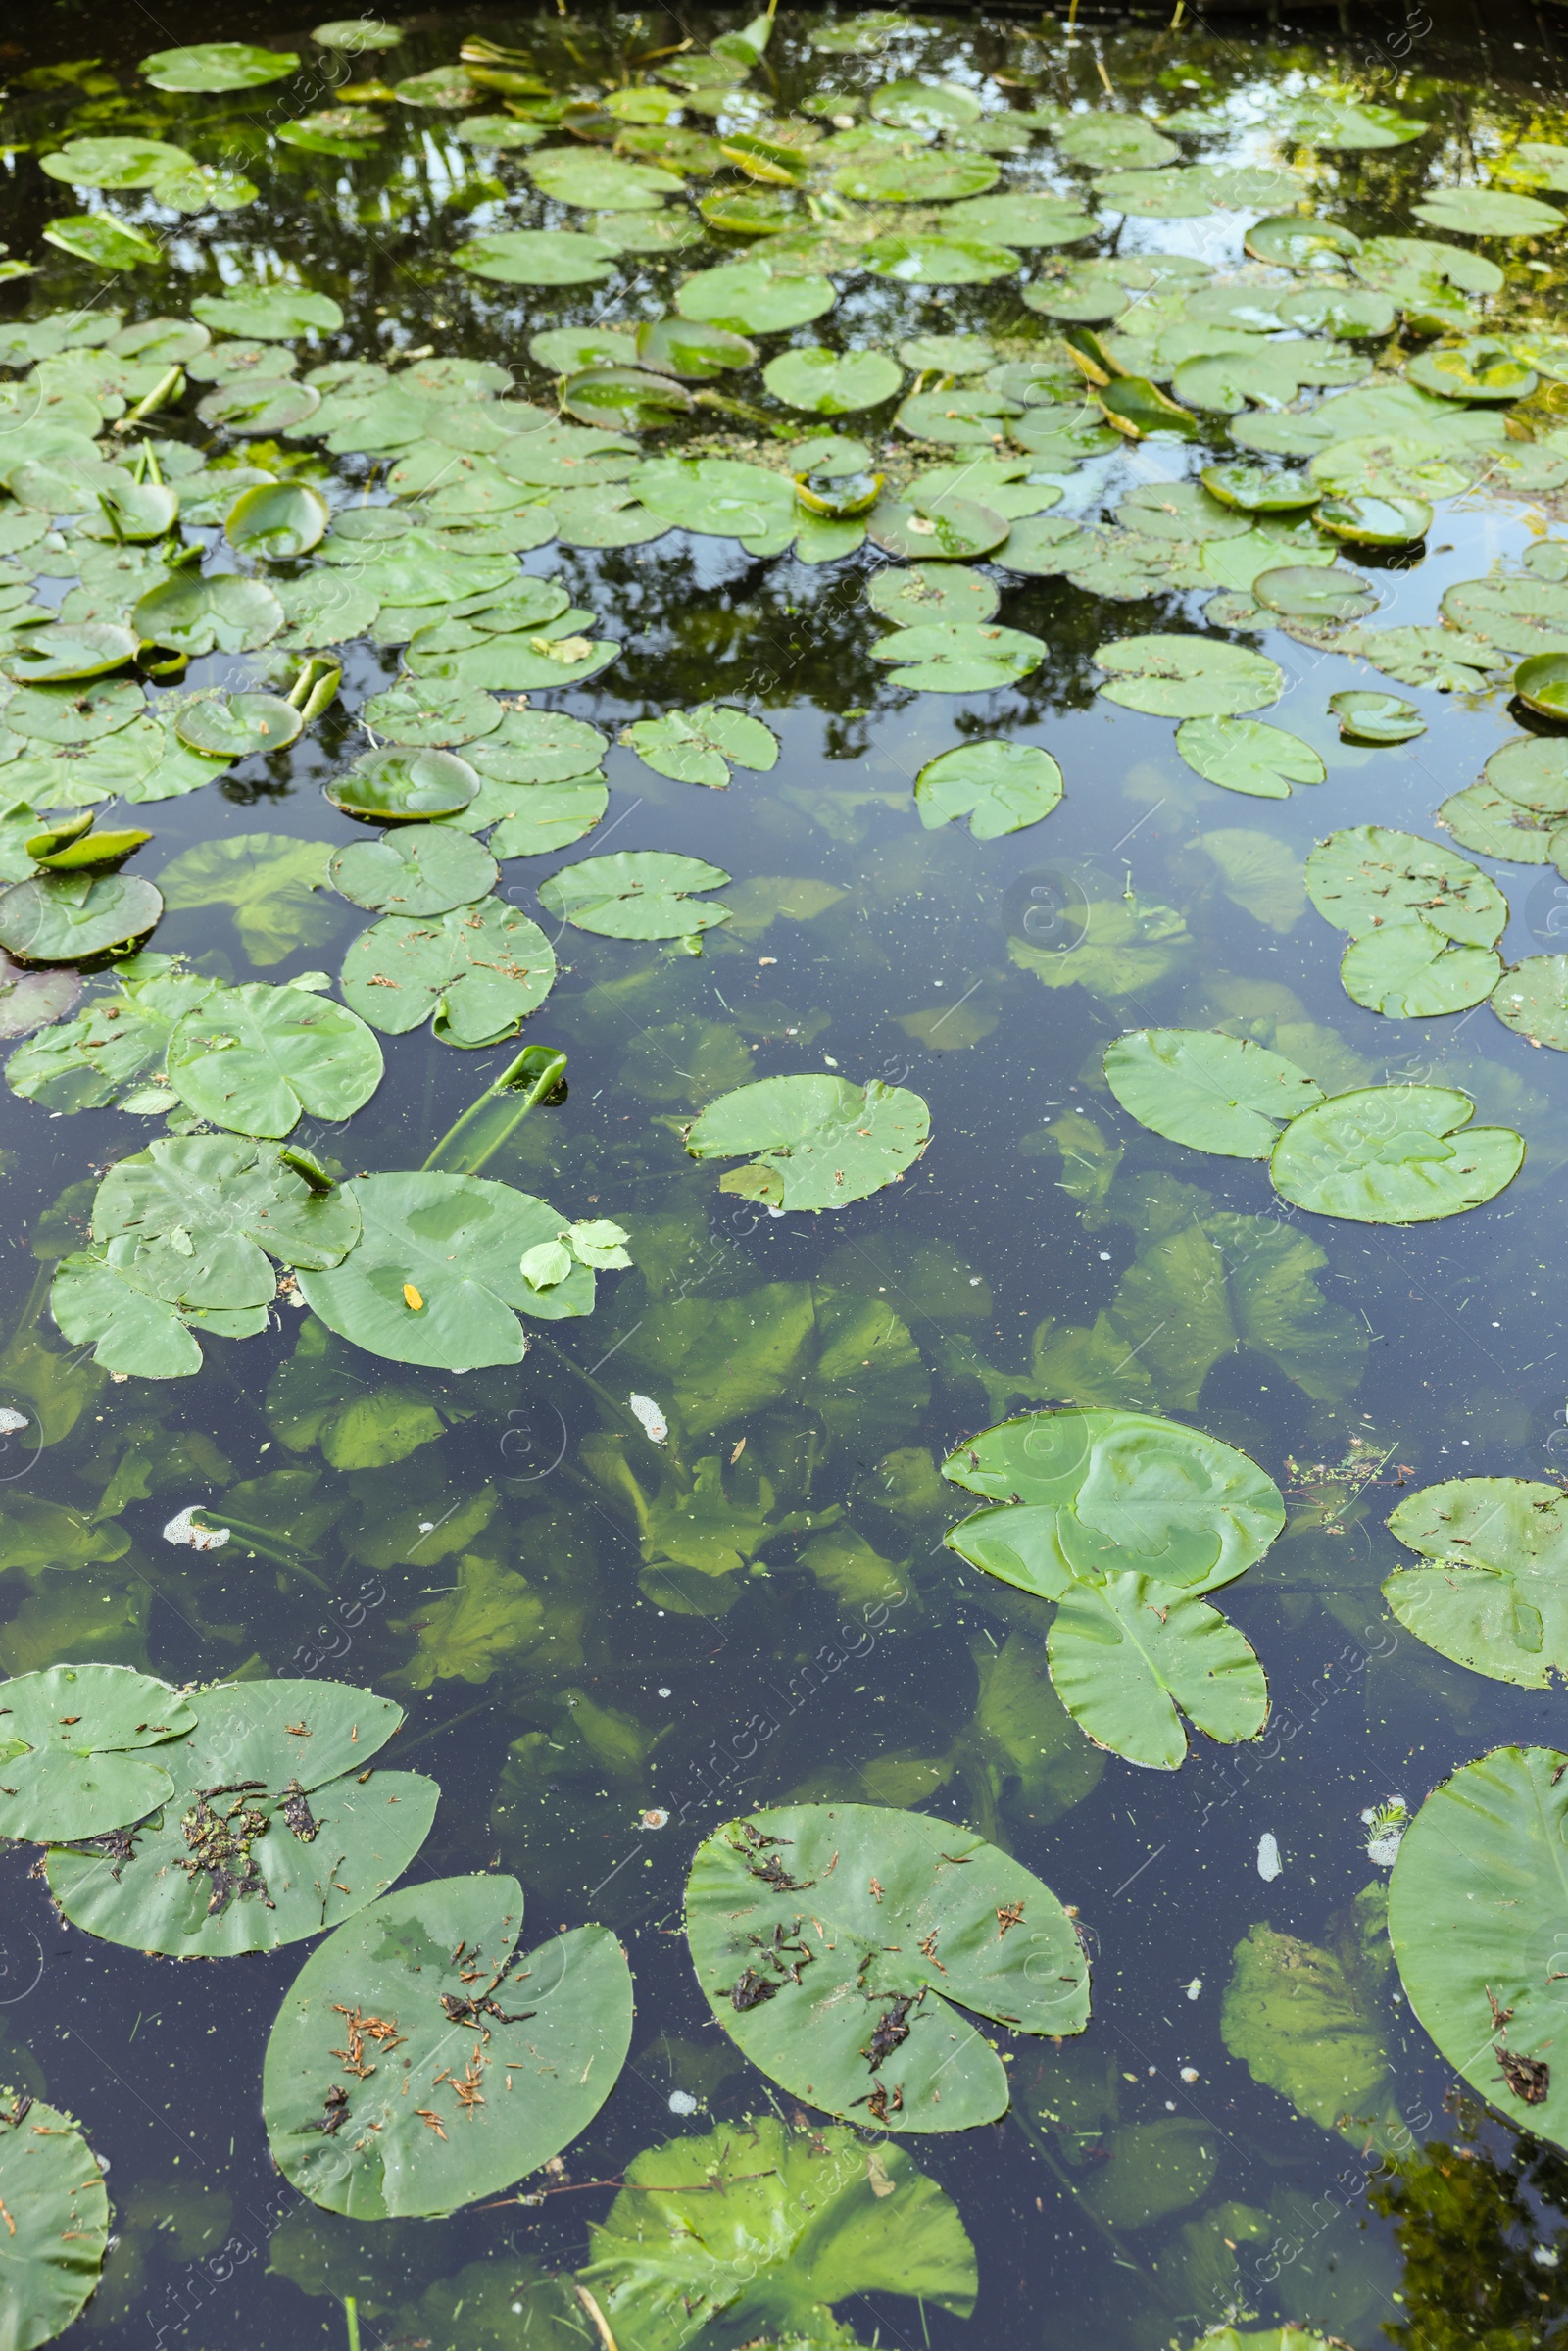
1482 2222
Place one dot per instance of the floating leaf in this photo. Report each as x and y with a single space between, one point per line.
257 1060
1493 1598
821 1141
1213 1092
53 656
752 298
956 657
203 1208
1532 998
912 177
1384 1156
932 592
1542 684
193 615
99 238
421 870
260 405
918 105
109 163
72 917
480 970
635 894
300 1846
600 182
1314 593
276 519
868 2012
1188 677
538 256
366 2133
1000 786
1347 126
81 1740
457 1242
1294 241
1128 1662
218 66
271 313
1411 969
52 2189
1245 756
1487 213
387 787
832 383
1474 1910
1308 2023
1370 876
697 746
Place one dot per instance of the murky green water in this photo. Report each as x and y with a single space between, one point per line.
606 1647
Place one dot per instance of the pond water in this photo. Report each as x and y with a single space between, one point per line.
685 1559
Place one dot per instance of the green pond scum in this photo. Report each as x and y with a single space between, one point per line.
778 1429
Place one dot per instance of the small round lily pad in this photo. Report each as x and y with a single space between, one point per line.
1366 716
404 786
1371 521
421 870
1313 592
232 726
1540 683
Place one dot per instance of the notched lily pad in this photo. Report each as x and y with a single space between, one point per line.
636 893
79 1747
1213 1092
1393 1155
822 1140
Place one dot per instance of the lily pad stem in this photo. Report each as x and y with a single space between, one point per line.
259 1540
539 1062
351 2310
168 388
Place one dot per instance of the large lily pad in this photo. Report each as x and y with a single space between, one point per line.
1128 1662
436 1278
1475 1913
52 2192
300 1843
700 746
480 970
79 1745
257 1058
839 1945
1496 1595
1393 1155
832 383
635 894
72 917
1370 876
1000 786
538 256
218 66
1188 677
404 786
203 1208
1244 754
959 658
1411 971
227 612
752 298
419 870
1199 1087
505 2057
820 1141
1487 213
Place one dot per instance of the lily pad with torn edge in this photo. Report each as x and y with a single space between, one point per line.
840 1946
822 1140
505 2058
270 1835
78 1743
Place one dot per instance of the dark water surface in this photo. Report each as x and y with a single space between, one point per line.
1046 1249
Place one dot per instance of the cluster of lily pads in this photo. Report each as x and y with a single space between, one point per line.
247 1816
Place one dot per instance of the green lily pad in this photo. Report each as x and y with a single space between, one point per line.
832 383
53 656
74 714
538 256
1393 1155
1531 770
218 66
624 398
259 404
542 820
958 418
233 726
1188 677
1128 1663
878 1877
922 105
104 1299
1480 369
700 746
221 1871
811 2224
1521 616
1298 241
1540 683
52 2185
1487 213
1312 593
85 1064
1242 755
203 1208
1260 489
600 182
822 1140
83 1737
932 592
688 348
914 259
1018 217
404 1295
1412 970
1474 1911
1440 657
480 970
99 238
1000 786
355 34
1155 195
1376 717
190 615
954 529
257 1058
957 658
276 519
752 298
1369 877
422 869
432 714
1491 825
109 162
1110 142
72 917
1532 998
900 178
1345 125
372 2141
537 746
276 314
404 786
635 894
1212 1091
1366 520
1493 1598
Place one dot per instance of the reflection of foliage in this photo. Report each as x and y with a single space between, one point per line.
1481 2225
490 1618
1307 2022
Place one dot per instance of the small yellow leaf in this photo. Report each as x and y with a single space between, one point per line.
412 1299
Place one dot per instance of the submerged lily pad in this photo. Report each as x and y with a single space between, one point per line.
820 1141
1496 1595
1199 1087
842 2019
437 1277
79 1751
302 1844
1474 1914
371 2139
479 969
635 894
1000 786
1393 1155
